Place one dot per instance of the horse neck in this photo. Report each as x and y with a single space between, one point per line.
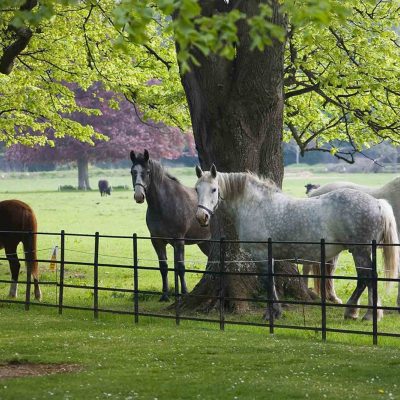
159 184
234 188
239 188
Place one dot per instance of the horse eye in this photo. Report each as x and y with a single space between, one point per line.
214 190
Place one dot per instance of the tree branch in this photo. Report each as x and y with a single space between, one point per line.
298 92
22 35
168 64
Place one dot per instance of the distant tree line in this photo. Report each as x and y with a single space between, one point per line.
381 154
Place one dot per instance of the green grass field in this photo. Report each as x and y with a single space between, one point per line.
156 359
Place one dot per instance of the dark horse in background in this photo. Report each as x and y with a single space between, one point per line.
17 216
171 209
104 187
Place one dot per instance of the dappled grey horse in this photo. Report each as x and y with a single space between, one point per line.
260 211
170 214
390 192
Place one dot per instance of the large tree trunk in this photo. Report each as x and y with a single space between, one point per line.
83 173
237 116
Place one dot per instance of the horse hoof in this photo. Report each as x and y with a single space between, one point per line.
351 316
369 316
277 313
38 295
335 300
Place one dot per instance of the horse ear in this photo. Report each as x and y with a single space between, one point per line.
213 171
146 155
133 156
199 171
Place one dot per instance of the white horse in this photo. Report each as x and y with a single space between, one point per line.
390 192
261 211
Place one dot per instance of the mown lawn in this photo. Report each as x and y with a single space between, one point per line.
156 359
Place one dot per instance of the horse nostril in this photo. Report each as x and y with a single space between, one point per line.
205 217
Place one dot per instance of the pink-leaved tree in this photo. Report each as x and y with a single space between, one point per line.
124 128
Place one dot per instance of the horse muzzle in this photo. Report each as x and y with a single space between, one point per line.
203 217
139 197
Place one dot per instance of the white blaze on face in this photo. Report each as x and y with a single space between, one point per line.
137 178
207 197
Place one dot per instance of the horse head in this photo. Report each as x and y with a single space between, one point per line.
207 190
140 172
310 187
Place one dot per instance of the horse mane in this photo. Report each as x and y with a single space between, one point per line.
159 173
233 184
392 184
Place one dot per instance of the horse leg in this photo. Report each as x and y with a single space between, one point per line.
179 260
271 293
306 271
29 243
307 268
38 292
398 289
329 283
362 262
160 248
368 272
11 254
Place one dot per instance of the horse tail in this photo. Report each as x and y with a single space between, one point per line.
30 242
389 236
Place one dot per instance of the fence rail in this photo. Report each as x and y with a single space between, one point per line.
220 273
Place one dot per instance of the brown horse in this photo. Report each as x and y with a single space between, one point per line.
18 216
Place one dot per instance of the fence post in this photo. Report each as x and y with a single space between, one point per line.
62 271
374 276
270 287
176 290
28 273
222 283
96 276
135 279
323 290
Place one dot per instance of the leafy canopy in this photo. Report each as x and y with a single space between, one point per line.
341 66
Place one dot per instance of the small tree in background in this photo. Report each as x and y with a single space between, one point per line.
123 127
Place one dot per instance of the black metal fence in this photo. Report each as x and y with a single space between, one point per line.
220 273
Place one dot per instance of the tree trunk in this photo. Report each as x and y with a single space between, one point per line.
237 117
83 173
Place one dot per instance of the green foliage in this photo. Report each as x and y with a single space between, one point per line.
353 67
341 64
78 45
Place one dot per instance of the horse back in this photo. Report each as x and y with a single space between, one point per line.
15 215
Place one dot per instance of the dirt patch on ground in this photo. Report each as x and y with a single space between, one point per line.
20 369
